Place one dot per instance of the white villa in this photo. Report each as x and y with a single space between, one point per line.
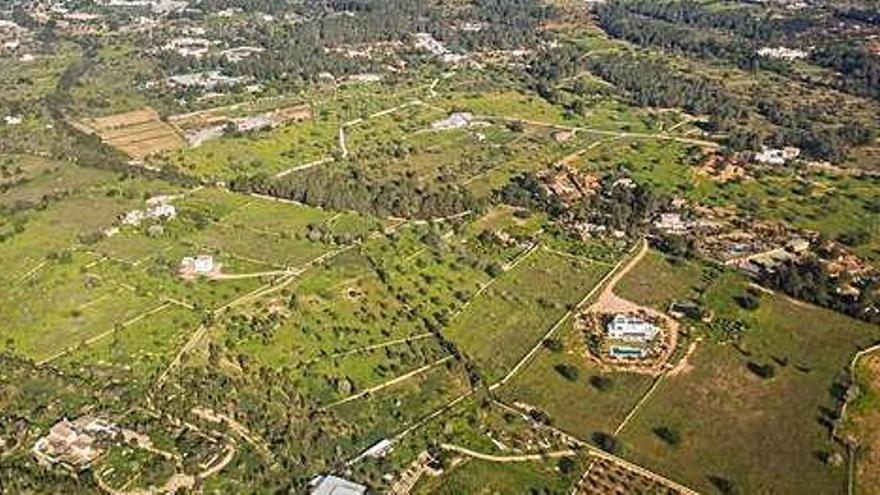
334 485
202 264
631 329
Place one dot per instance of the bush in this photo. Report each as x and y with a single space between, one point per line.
568 371
601 383
765 371
668 435
566 465
606 442
749 301
724 485
552 344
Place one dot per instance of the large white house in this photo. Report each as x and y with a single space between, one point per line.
631 329
334 485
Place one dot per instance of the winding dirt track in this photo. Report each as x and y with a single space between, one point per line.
508 458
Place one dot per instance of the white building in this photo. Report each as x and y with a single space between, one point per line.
204 263
776 156
781 52
426 41
455 121
631 329
159 212
671 223
334 485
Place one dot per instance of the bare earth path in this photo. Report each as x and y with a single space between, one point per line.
508 458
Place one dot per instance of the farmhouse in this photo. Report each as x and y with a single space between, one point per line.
240 53
782 52
775 156
455 121
160 212
202 264
426 41
75 444
562 136
631 329
671 223
334 485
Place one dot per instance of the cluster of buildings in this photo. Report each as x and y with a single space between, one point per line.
203 126
783 53
76 444
199 47
212 79
427 42
569 184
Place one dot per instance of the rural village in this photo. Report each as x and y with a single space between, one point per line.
416 246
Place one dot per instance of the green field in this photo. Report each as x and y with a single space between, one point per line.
517 310
760 426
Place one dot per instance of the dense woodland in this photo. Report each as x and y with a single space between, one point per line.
620 204
296 50
349 190
808 280
653 82
735 35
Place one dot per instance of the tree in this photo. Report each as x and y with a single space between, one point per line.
566 465
668 435
568 371
748 301
553 344
608 443
601 383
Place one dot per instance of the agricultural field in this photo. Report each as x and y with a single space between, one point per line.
138 133
861 424
517 310
771 416
29 179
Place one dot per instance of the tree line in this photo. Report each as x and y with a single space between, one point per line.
348 189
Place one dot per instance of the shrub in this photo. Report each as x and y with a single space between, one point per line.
601 383
552 344
606 442
765 371
668 435
568 371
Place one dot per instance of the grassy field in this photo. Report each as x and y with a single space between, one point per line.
658 280
32 178
863 418
142 348
517 310
735 425
575 405
486 477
